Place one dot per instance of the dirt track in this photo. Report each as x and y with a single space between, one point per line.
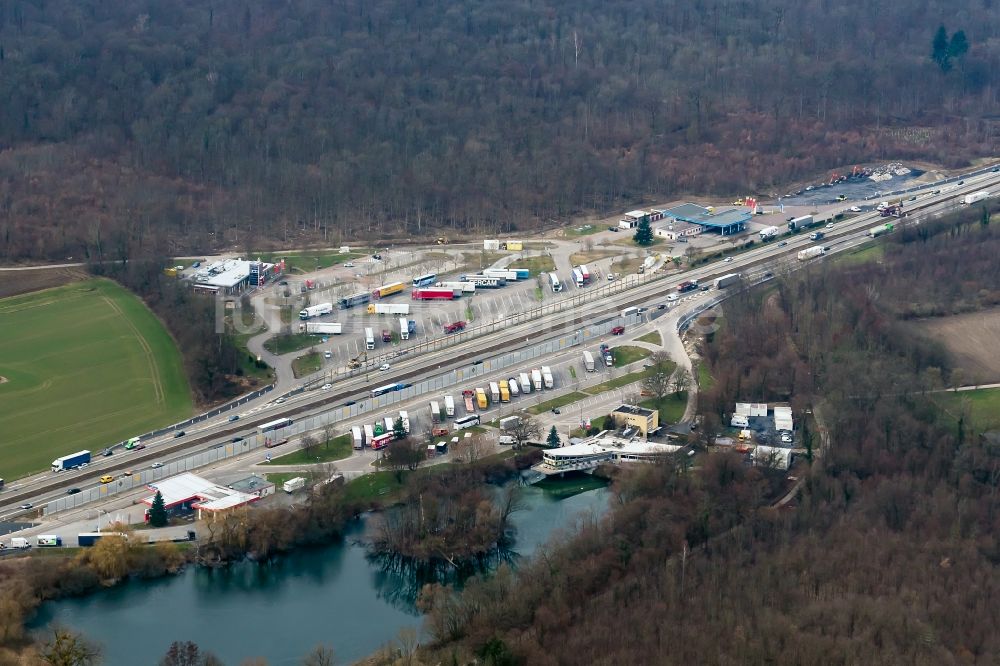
22 282
973 340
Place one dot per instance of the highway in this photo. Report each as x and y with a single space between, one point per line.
441 355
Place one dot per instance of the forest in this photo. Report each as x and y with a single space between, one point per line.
141 128
889 554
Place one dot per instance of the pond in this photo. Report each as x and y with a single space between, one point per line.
332 595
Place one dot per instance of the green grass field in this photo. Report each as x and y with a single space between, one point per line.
981 406
85 365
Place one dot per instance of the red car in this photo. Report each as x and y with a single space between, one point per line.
618 330
455 327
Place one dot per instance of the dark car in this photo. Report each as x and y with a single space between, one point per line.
234 417
555 410
661 306
179 433
350 402
108 452
782 243
236 439
72 491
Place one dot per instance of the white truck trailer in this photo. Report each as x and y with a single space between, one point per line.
322 327
810 252
588 362
547 377
449 406
316 311
389 308
975 197
525 383
536 379
290 486
369 339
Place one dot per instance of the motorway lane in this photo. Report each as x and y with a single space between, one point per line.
560 321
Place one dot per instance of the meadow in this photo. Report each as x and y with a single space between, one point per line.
82 366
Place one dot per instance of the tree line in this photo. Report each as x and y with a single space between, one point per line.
182 126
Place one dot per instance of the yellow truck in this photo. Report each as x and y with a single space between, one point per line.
481 399
504 391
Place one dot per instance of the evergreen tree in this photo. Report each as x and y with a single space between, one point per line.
158 512
553 438
643 233
985 219
398 431
940 51
959 45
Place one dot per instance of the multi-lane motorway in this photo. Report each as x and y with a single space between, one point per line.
512 333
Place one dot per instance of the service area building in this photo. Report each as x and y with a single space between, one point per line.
234 276
189 492
724 223
641 419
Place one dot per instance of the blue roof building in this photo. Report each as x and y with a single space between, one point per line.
726 223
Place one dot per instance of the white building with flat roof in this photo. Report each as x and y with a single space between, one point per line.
602 448
188 491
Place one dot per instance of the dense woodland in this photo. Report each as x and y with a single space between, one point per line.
889 556
137 126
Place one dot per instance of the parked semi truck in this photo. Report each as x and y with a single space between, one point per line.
525 383
404 416
356 299
554 282
322 327
585 272
726 280
449 406
71 461
975 196
588 361
484 281
504 391
515 389
389 308
810 252
481 400
578 277
468 396
494 392
435 412
357 437
464 287
536 379
388 289
316 311
404 329
435 294
547 376
881 229
505 273
369 339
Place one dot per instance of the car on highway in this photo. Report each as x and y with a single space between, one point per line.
72 491
994 169
179 433
328 354
236 439
855 209
705 287
107 452
234 417
782 243
107 478
128 472
672 297
620 330
829 225
611 277
350 402
961 182
661 306
280 400
384 367
157 465
728 259
26 506
349 264
327 387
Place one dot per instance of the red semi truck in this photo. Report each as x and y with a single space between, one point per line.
434 294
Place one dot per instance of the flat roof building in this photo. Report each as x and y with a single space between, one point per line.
726 223
603 448
190 492
233 276
632 416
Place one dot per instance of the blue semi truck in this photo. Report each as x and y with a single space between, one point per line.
71 461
